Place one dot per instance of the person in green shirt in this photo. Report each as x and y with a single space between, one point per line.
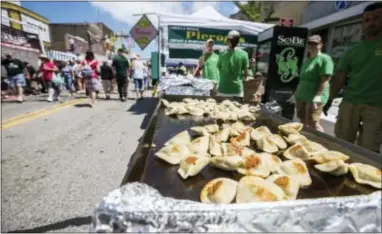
360 112
121 66
312 91
209 62
233 68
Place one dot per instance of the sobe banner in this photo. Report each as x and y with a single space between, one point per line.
194 37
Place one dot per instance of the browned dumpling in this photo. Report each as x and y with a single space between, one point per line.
200 131
287 184
200 145
267 145
223 135
219 191
336 168
228 163
328 156
294 138
295 168
278 140
291 128
182 138
192 165
243 139
254 165
366 174
260 132
173 154
296 151
256 189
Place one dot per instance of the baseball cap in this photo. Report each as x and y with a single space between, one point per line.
210 40
233 34
258 74
315 39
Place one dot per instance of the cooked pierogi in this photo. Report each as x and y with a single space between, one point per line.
256 189
260 132
294 138
267 145
231 163
195 111
279 141
271 160
215 147
200 145
173 154
254 165
366 174
200 131
182 138
295 168
223 135
328 156
287 184
212 128
192 165
244 139
296 151
245 115
219 191
291 128
336 168
165 103
237 128
312 147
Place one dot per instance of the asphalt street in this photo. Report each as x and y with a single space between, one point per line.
56 168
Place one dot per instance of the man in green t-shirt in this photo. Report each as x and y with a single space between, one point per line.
361 108
209 62
233 68
121 67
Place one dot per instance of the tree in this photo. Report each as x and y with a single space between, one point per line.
255 9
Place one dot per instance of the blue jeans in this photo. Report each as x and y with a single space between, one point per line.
138 83
17 80
69 83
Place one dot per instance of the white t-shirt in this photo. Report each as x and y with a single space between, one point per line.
138 70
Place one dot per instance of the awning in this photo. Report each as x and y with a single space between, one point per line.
338 16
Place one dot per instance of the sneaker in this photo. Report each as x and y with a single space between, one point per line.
57 99
49 99
19 99
124 99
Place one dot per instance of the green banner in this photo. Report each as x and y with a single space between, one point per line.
188 36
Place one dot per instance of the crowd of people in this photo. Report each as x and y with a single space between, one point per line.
87 76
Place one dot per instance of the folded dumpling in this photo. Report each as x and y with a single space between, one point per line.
215 147
223 135
294 138
200 131
254 165
195 111
291 128
244 152
237 128
287 184
255 189
229 163
165 103
219 191
312 147
192 165
212 128
220 115
260 132
244 139
328 156
296 151
267 145
182 138
171 111
180 108
271 160
190 100
245 115
231 149
279 141
173 154
295 168
336 168
366 174
200 145
211 100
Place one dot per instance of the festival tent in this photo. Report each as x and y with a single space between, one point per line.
206 18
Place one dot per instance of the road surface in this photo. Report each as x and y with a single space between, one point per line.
59 160
56 167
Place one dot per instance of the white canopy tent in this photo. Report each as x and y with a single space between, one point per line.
207 17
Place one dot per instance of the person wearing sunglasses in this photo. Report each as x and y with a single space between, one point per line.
312 92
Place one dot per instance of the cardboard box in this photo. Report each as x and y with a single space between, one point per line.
253 90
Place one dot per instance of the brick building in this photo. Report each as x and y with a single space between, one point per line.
63 32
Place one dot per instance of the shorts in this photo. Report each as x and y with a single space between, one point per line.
138 84
107 86
306 113
17 80
93 85
349 120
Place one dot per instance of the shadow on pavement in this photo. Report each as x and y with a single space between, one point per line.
82 105
78 221
145 106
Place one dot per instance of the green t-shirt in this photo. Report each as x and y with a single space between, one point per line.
231 65
363 64
210 70
121 64
312 71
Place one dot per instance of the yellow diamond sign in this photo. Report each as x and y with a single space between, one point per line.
143 32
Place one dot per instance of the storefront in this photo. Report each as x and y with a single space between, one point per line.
338 23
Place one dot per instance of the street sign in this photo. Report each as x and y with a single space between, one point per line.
143 32
341 5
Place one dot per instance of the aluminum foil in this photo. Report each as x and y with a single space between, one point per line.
187 91
137 207
179 81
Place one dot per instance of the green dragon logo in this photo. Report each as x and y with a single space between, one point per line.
287 65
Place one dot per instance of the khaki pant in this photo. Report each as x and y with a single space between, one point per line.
349 124
306 114
107 86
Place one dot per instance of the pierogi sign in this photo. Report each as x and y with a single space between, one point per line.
143 32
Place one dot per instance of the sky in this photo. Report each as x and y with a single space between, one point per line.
119 15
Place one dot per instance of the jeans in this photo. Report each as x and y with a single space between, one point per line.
17 80
69 83
122 87
50 85
138 84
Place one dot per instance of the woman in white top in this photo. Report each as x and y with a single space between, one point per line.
138 75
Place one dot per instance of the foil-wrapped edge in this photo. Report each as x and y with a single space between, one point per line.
137 207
